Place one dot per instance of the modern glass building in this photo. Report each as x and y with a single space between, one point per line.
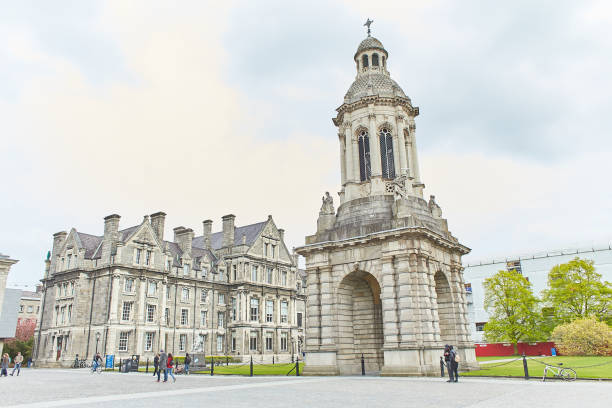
535 267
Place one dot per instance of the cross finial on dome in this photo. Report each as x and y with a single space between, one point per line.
368 23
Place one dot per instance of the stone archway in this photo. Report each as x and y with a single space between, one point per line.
445 308
360 324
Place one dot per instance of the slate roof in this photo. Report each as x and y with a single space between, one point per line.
30 294
125 234
373 84
90 243
370 43
216 240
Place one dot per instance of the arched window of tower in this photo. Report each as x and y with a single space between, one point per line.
364 61
374 60
365 169
386 154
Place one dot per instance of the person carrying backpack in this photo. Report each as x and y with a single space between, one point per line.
187 362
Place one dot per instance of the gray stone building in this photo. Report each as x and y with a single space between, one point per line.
384 272
129 291
9 301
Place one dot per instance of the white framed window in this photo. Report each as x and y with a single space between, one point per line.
184 316
168 264
203 318
149 336
152 288
148 257
284 278
185 295
234 308
284 306
269 342
269 271
221 298
72 288
21 309
233 341
284 341
64 289
127 311
254 309
273 251
299 320
234 272
253 341
219 343
123 341
182 342
63 311
69 313
186 269
203 295
56 315
220 320
137 256
69 258
129 285
150 313
269 311
265 249
254 273
167 316
30 309
204 272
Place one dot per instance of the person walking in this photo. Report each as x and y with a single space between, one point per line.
169 368
4 363
187 362
163 357
452 363
156 365
18 361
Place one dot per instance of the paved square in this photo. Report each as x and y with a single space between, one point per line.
64 388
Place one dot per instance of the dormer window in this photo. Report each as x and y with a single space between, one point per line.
364 61
186 269
374 60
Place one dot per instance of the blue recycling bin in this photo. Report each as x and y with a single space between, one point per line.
553 351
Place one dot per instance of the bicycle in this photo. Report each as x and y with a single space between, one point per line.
563 373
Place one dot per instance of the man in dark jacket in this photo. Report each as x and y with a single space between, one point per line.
163 358
156 365
452 364
187 362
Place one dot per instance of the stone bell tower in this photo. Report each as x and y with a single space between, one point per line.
384 273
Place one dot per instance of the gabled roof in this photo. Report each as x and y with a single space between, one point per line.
216 240
125 234
90 243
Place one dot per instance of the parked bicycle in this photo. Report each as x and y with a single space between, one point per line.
563 373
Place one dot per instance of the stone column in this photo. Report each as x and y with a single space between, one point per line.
327 309
313 307
407 297
355 155
403 164
138 332
389 297
413 152
374 146
114 298
343 161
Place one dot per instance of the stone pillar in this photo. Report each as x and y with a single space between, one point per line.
313 307
355 154
327 309
343 161
138 332
374 147
114 298
403 163
389 297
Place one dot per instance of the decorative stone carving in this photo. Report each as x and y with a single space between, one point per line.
435 209
328 204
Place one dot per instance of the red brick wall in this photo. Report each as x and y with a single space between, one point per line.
506 349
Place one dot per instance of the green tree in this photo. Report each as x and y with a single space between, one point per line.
575 291
513 309
13 346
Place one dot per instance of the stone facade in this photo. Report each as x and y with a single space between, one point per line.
29 309
6 331
384 273
236 292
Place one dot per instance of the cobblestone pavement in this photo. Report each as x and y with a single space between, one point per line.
61 388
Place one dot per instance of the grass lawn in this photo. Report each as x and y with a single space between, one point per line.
536 369
258 369
489 358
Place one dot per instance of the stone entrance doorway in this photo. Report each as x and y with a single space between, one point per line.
445 308
360 325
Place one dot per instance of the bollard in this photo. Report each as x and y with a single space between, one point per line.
272 360
119 365
226 361
297 367
525 367
147 369
292 357
251 371
362 365
212 365
441 367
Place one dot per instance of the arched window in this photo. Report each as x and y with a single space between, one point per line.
374 60
364 61
386 154
365 170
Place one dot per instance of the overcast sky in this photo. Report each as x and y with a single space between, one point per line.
202 110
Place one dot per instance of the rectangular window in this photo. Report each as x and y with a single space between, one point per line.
203 294
72 288
129 285
148 258
184 316
284 305
30 309
149 341
284 341
273 250
234 272
269 311
138 255
480 326
63 311
253 341
127 311
268 341
64 286
284 278
254 309
167 316
69 313
233 341
182 342
185 295
185 269
265 249
56 315
123 341
269 275
221 298
299 320
219 343
220 318
254 273
169 264
150 313
234 308
152 288
69 258
203 315
204 272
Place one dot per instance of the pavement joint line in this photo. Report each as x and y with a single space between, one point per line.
167 393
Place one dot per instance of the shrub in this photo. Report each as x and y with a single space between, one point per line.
583 337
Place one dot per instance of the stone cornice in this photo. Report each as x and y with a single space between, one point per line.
376 100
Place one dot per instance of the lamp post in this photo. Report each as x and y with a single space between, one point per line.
97 340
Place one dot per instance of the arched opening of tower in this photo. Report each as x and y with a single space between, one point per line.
360 325
445 308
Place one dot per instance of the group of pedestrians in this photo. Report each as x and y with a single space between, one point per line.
163 361
451 358
6 360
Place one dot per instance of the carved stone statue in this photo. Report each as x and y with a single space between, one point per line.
435 209
328 204
399 187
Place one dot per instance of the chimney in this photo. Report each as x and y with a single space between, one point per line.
281 232
158 221
58 240
111 235
207 224
39 288
177 232
228 230
184 237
